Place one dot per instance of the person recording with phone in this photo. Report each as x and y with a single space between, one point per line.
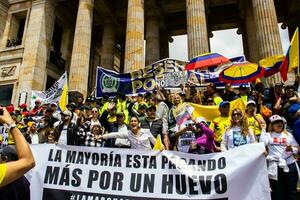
12 171
204 138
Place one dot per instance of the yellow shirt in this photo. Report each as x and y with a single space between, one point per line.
2 172
254 125
217 100
219 126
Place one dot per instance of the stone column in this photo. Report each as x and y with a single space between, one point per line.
134 47
164 47
3 16
250 33
267 33
152 36
37 43
196 28
108 45
80 61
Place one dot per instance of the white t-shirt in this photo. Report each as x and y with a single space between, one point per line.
34 138
121 142
63 135
233 138
141 141
277 142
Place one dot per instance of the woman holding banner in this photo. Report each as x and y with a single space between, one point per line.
282 166
139 138
238 133
11 171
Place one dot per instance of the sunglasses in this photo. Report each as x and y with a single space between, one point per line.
51 133
94 111
236 114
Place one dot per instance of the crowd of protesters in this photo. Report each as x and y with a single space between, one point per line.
272 116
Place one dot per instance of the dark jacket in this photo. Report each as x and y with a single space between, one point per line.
156 127
72 129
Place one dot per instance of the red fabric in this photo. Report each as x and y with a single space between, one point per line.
10 108
284 68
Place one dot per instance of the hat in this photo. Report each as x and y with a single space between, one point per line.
210 100
48 109
37 101
182 94
275 118
10 108
120 114
251 102
223 103
53 104
151 107
242 87
200 119
23 105
67 113
278 84
142 106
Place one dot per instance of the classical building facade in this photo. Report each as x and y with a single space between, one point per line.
40 39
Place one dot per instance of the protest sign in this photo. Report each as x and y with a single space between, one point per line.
164 73
53 94
77 173
4 136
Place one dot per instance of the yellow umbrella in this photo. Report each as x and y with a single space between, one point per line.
244 72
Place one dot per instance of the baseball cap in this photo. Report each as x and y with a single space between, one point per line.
37 101
142 106
151 107
223 103
67 113
53 104
275 118
251 102
10 108
23 105
278 84
242 87
210 99
119 114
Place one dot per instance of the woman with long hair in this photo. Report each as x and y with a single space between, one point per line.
139 138
282 148
52 136
238 133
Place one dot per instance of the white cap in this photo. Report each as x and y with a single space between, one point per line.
275 118
67 113
251 102
200 119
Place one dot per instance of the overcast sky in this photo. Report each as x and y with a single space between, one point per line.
226 42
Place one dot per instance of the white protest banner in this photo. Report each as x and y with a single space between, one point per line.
86 173
53 94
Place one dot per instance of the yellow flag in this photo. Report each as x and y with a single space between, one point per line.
271 61
211 112
63 101
294 51
158 144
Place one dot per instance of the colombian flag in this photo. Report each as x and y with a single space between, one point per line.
271 64
291 59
